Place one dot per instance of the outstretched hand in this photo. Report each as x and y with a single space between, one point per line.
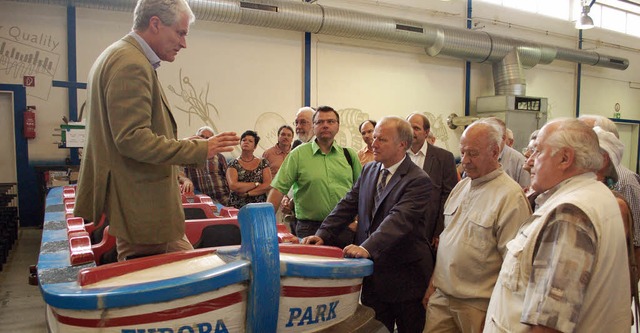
222 143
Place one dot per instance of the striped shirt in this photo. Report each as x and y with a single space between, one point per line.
211 179
629 186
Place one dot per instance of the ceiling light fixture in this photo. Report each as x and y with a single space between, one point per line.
585 21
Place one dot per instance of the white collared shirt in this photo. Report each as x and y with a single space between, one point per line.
418 158
392 169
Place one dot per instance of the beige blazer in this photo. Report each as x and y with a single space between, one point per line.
129 167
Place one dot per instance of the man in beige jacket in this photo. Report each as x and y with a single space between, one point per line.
129 167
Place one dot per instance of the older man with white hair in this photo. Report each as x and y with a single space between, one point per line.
304 125
566 270
481 215
628 181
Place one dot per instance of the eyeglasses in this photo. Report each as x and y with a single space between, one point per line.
527 151
301 123
204 136
326 121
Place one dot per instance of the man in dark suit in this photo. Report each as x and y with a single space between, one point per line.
129 168
391 228
439 164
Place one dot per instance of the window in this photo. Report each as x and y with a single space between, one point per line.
555 8
525 5
613 19
615 15
633 24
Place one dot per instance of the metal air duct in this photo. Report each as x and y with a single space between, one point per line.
507 55
508 75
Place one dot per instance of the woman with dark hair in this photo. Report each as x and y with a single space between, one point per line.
249 177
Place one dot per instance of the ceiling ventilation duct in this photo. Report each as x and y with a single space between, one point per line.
508 56
508 75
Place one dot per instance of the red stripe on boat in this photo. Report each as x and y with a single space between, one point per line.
152 317
291 291
314 250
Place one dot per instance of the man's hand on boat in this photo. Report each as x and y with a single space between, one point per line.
355 251
312 240
350 251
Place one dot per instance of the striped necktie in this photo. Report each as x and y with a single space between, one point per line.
381 185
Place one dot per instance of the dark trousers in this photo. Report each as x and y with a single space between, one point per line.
409 315
306 228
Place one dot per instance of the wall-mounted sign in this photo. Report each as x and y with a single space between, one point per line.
29 81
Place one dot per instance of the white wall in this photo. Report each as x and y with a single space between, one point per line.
29 29
253 76
379 82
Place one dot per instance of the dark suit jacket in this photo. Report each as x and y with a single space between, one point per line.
440 165
296 143
130 156
393 232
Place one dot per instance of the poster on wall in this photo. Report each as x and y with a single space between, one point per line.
28 55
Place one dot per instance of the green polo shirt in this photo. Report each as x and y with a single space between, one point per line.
319 180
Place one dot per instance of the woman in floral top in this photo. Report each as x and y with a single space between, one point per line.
249 177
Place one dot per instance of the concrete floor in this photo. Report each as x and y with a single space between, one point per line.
21 306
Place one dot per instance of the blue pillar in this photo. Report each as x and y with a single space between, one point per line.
260 246
467 69
307 69
579 77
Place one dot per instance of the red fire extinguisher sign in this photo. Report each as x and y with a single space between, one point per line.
30 122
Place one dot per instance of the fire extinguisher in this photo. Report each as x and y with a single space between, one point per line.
30 123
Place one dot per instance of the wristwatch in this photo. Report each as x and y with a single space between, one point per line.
256 184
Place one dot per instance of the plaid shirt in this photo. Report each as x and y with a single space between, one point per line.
629 186
212 179
563 263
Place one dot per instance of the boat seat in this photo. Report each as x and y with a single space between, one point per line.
192 211
197 210
80 251
229 211
194 214
105 251
97 230
221 231
219 235
69 192
193 228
